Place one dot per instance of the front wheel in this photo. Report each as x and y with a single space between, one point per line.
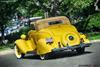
18 54
80 50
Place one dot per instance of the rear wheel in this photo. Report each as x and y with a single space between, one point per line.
18 54
80 50
43 57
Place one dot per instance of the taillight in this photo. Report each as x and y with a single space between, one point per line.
81 40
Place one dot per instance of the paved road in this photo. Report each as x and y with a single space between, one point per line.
91 58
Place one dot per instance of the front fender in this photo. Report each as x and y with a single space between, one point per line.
20 43
25 45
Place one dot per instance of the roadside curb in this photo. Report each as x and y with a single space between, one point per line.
11 51
7 51
93 41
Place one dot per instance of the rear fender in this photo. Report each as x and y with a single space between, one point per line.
42 47
85 38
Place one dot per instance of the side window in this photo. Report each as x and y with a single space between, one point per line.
55 22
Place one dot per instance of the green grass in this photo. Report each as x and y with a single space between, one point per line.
94 35
7 46
3 48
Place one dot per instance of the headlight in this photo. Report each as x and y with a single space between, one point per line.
49 40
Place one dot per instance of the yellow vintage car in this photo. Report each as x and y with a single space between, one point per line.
51 35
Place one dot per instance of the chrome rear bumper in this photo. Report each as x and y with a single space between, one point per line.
72 47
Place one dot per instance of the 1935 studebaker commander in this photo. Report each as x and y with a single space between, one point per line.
51 35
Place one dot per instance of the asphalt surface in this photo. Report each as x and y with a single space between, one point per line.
91 58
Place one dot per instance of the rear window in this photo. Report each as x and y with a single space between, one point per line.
55 22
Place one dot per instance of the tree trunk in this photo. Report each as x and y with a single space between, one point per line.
46 14
96 5
2 35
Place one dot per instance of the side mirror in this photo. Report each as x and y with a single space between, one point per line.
23 36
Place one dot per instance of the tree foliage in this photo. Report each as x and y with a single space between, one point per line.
63 7
94 22
82 11
6 12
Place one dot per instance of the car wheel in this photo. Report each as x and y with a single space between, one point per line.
18 54
80 50
43 57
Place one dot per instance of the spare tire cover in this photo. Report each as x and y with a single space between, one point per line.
70 39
